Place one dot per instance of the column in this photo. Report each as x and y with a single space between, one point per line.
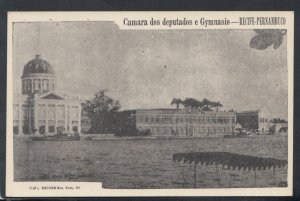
35 118
32 88
20 120
41 81
55 117
47 127
29 119
36 85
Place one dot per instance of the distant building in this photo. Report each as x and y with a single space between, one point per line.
182 122
39 109
253 120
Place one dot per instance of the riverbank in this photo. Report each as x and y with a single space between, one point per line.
112 137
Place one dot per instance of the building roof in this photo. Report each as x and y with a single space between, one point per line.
171 111
37 65
249 112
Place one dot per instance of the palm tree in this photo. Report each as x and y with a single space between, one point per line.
206 105
218 105
177 102
192 103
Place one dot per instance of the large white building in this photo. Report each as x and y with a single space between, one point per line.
180 122
39 110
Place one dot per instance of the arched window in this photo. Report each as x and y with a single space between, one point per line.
27 86
36 85
39 85
23 86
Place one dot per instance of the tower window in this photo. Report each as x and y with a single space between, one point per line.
36 85
39 85
23 86
28 83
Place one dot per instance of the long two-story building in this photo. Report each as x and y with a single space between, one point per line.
181 122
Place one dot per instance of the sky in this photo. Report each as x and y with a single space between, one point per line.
148 68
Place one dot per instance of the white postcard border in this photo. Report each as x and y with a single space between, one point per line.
21 189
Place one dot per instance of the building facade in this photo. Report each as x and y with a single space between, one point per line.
181 122
253 120
39 110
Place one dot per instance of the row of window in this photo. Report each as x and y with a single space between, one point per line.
60 127
59 123
188 130
263 120
43 122
42 129
29 112
36 85
186 119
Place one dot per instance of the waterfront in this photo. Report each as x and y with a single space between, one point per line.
140 163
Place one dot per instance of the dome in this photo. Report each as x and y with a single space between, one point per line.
37 65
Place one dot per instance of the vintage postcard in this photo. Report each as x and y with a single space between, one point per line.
150 104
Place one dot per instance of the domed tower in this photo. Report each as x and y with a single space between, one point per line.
38 77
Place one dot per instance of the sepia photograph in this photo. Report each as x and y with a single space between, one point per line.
150 108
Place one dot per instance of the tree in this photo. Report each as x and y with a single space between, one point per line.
217 105
204 105
191 102
177 102
278 120
207 105
101 110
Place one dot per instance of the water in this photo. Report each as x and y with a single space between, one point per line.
145 163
